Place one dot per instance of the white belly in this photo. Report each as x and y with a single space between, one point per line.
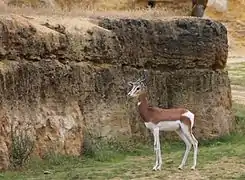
164 125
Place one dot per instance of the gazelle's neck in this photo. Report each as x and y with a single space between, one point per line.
143 99
143 107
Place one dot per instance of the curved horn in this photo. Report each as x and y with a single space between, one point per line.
130 83
144 76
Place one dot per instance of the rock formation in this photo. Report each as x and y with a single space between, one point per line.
62 77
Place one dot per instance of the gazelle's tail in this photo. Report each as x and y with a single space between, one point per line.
219 5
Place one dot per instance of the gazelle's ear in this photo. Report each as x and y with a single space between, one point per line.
130 83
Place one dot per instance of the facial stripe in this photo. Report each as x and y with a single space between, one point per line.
135 89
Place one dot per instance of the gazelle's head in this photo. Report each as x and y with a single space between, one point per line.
138 87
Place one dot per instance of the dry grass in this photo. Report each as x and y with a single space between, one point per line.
118 8
99 5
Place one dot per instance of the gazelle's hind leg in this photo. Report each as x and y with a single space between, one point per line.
187 148
195 146
193 141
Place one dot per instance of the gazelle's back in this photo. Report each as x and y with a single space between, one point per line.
159 114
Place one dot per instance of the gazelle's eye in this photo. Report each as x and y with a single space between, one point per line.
137 88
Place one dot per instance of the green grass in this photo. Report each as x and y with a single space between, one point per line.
237 74
239 111
128 166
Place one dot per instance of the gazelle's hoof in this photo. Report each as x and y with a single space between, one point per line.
157 167
180 167
193 168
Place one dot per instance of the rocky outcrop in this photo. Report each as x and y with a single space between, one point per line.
60 78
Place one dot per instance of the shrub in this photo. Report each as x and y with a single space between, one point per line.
22 147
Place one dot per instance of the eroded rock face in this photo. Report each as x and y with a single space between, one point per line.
62 78
4 151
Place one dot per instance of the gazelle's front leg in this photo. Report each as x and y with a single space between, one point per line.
157 149
159 153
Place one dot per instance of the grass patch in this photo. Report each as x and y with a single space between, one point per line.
107 150
237 74
126 165
131 166
241 177
239 111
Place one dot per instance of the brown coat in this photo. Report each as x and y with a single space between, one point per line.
156 115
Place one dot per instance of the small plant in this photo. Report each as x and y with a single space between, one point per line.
22 147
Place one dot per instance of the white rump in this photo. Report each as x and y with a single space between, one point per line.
219 5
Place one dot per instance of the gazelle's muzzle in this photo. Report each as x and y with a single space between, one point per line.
130 93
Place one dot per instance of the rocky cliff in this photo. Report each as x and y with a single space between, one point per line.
60 77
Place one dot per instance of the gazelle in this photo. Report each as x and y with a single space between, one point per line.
157 119
198 6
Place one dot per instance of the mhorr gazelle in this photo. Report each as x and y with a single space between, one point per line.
157 119
198 7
